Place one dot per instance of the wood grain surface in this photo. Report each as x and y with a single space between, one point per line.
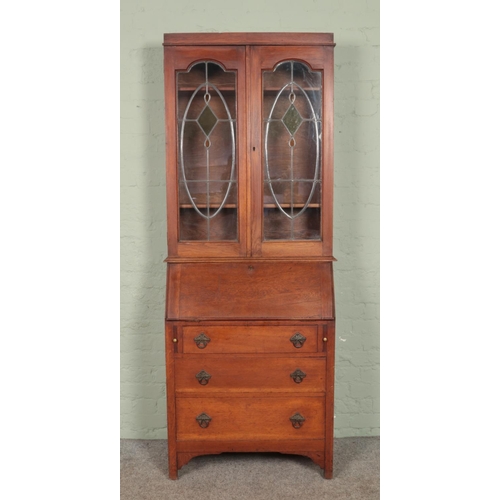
246 287
253 374
262 418
233 290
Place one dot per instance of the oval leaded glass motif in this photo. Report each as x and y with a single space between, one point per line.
291 121
206 110
207 121
292 101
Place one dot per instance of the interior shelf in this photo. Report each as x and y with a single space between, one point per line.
266 205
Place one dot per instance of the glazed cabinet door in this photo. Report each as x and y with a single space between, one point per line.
206 143
291 133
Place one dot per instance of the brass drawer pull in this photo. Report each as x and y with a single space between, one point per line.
203 377
203 419
298 376
297 339
202 340
297 420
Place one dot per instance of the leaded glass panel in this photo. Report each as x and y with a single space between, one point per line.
207 169
292 101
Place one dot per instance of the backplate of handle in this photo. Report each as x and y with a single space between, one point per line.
297 339
204 420
298 376
202 340
203 377
297 420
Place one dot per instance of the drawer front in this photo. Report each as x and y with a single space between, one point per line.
255 418
250 339
208 374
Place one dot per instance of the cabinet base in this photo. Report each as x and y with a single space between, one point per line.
313 449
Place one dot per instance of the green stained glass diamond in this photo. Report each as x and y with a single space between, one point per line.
292 119
207 120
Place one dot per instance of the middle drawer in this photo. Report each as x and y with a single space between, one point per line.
205 374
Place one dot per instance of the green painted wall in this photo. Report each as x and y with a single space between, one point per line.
355 24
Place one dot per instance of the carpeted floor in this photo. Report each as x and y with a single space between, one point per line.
251 476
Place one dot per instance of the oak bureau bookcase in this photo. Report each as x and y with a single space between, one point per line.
250 318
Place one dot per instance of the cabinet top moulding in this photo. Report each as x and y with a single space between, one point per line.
248 39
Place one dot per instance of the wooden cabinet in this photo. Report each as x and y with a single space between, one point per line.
250 319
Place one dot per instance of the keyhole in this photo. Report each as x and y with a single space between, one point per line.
254 148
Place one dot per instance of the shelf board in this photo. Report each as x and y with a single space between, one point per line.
232 89
295 205
204 205
192 89
277 89
233 205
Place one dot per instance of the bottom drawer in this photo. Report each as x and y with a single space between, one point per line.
250 418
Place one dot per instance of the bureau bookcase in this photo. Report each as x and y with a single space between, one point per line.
250 318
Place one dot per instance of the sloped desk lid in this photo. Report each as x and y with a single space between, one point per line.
250 290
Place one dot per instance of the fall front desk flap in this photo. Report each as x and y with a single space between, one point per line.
246 290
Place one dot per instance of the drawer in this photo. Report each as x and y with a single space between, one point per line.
241 418
250 339
206 374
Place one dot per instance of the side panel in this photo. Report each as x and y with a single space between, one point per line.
170 348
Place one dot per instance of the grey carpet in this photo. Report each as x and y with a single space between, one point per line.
251 476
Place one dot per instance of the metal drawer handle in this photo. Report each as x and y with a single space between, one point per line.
203 377
202 340
298 376
297 339
297 420
203 419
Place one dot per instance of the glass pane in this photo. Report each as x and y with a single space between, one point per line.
292 101
292 119
221 153
206 104
308 225
224 226
277 151
278 194
306 193
222 193
207 120
307 79
193 193
308 103
192 226
193 164
276 226
292 210
307 152
195 101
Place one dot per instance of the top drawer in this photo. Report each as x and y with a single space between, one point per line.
250 339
